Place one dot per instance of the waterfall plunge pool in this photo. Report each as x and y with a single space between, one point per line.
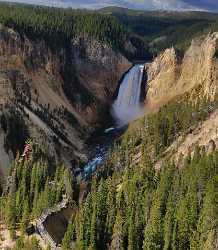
126 108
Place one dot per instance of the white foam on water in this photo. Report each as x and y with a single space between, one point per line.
127 106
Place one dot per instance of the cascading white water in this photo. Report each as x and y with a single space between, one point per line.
126 108
127 105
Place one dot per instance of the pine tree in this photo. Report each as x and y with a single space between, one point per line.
208 221
20 244
35 201
11 213
35 244
25 216
68 183
117 237
131 233
67 240
154 229
93 226
111 207
79 228
168 224
87 213
47 202
101 215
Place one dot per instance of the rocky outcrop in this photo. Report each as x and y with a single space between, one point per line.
62 94
193 77
170 76
90 67
161 78
96 63
204 136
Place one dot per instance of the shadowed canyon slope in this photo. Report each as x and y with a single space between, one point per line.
97 152
61 95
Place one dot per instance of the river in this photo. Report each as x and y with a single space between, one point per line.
126 108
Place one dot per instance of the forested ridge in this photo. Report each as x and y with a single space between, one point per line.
132 205
34 184
158 30
139 208
58 26
127 204
149 33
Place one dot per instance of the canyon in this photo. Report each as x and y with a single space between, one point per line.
62 95
109 140
171 75
191 78
75 87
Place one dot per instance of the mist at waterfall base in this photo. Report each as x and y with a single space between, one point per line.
127 106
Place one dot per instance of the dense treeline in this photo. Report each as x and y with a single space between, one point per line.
161 30
133 206
58 26
30 244
130 205
159 130
139 208
138 35
175 119
34 184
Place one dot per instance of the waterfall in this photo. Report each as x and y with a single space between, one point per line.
127 105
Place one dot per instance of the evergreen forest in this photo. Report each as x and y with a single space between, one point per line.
128 203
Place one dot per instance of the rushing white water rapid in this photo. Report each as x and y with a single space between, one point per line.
127 105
